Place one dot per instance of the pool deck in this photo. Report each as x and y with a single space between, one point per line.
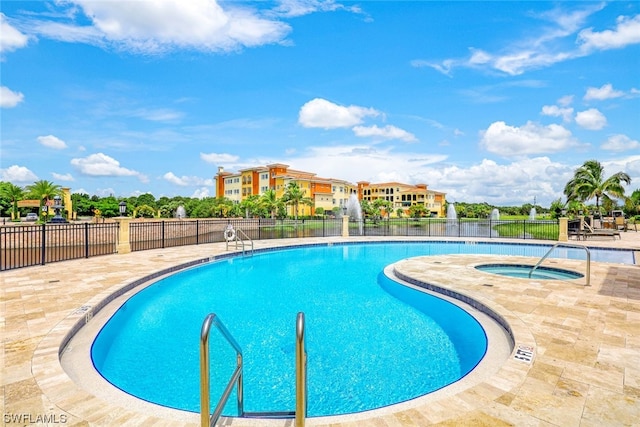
581 364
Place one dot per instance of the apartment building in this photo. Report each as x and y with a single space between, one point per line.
326 193
403 196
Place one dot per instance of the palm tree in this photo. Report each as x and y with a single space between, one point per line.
589 182
294 195
379 204
43 190
13 193
250 205
270 202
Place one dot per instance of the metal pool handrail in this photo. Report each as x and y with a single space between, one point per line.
568 245
205 419
301 373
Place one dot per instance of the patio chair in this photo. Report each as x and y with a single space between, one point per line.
602 232
621 223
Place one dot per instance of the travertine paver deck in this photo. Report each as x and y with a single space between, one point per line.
585 369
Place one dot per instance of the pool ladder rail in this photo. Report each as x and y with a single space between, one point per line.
567 245
208 419
240 239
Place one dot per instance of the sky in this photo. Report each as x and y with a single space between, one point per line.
487 101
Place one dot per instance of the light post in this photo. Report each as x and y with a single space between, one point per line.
123 208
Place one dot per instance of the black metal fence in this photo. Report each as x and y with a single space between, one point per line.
165 234
28 245
462 227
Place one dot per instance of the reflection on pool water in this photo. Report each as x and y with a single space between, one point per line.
371 342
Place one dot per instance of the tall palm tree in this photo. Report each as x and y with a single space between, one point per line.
294 195
43 190
13 193
589 182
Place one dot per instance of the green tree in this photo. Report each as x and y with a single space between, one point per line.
379 204
399 212
13 193
270 202
146 199
144 211
250 205
43 191
294 196
109 207
367 208
222 207
556 208
632 205
417 211
82 204
588 182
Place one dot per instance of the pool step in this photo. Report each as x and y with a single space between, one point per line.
270 414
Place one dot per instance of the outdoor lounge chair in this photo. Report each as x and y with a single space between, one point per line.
621 223
589 231
574 229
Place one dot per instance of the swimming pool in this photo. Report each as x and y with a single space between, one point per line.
281 275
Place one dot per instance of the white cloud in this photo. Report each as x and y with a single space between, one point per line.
387 132
18 175
201 193
555 111
293 8
184 181
605 92
509 184
565 101
52 142
219 158
10 38
523 55
62 177
156 26
532 138
157 115
627 32
518 62
620 142
9 98
591 119
362 163
320 113
102 165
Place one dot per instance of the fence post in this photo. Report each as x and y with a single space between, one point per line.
124 246
345 226
43 249
86 240
563 229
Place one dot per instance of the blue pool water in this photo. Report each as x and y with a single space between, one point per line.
525 272
371 342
